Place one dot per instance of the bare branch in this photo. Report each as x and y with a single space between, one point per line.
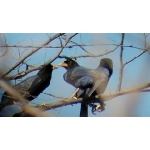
135 58
82 47
71 46
32 52
121 63
145 40
105 97
63 46
23 73
28 109
55 95
99 55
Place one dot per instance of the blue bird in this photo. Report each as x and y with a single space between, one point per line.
90 82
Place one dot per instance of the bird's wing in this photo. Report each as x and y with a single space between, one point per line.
25 84
87 79
97 84
22 87
78 72
84 82
39 84
10 110
99 80
103 74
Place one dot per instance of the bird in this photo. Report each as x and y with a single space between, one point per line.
31 87
90 82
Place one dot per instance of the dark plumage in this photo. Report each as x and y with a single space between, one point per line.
31 87
90 81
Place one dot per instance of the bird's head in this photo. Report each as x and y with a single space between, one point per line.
107 63
68 63
47 69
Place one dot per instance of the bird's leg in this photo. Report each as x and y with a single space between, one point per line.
97 83
74 94
100 107
93 108
84 107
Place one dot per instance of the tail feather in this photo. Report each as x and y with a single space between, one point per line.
84 110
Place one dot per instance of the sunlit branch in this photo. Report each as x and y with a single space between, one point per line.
28 109
105 97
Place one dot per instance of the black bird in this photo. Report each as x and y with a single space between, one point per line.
90 82
31 87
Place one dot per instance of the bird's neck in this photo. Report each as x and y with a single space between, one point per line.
110 71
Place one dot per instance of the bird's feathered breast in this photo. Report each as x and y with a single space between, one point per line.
73 74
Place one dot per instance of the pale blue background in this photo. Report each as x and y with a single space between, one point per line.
135 74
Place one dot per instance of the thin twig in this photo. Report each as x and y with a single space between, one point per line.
54 95
63 46
135 58
23 73
31 53
121 63
82 47
98 55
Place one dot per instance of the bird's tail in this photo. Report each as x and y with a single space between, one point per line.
84 107
84 110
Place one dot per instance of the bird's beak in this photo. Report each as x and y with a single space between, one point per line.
55 67
63 64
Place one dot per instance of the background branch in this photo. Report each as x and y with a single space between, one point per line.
32 52
28 109
121 63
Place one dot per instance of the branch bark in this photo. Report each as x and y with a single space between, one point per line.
63 46
121 63
105 97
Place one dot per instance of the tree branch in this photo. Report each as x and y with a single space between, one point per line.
105 97
71 46
32 52
23 73
28 109
99 55
134 58
121 63
63 46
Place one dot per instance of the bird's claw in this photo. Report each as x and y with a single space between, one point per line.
94 109
98 108
43 105
74 97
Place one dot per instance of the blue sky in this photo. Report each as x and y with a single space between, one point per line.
136 73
